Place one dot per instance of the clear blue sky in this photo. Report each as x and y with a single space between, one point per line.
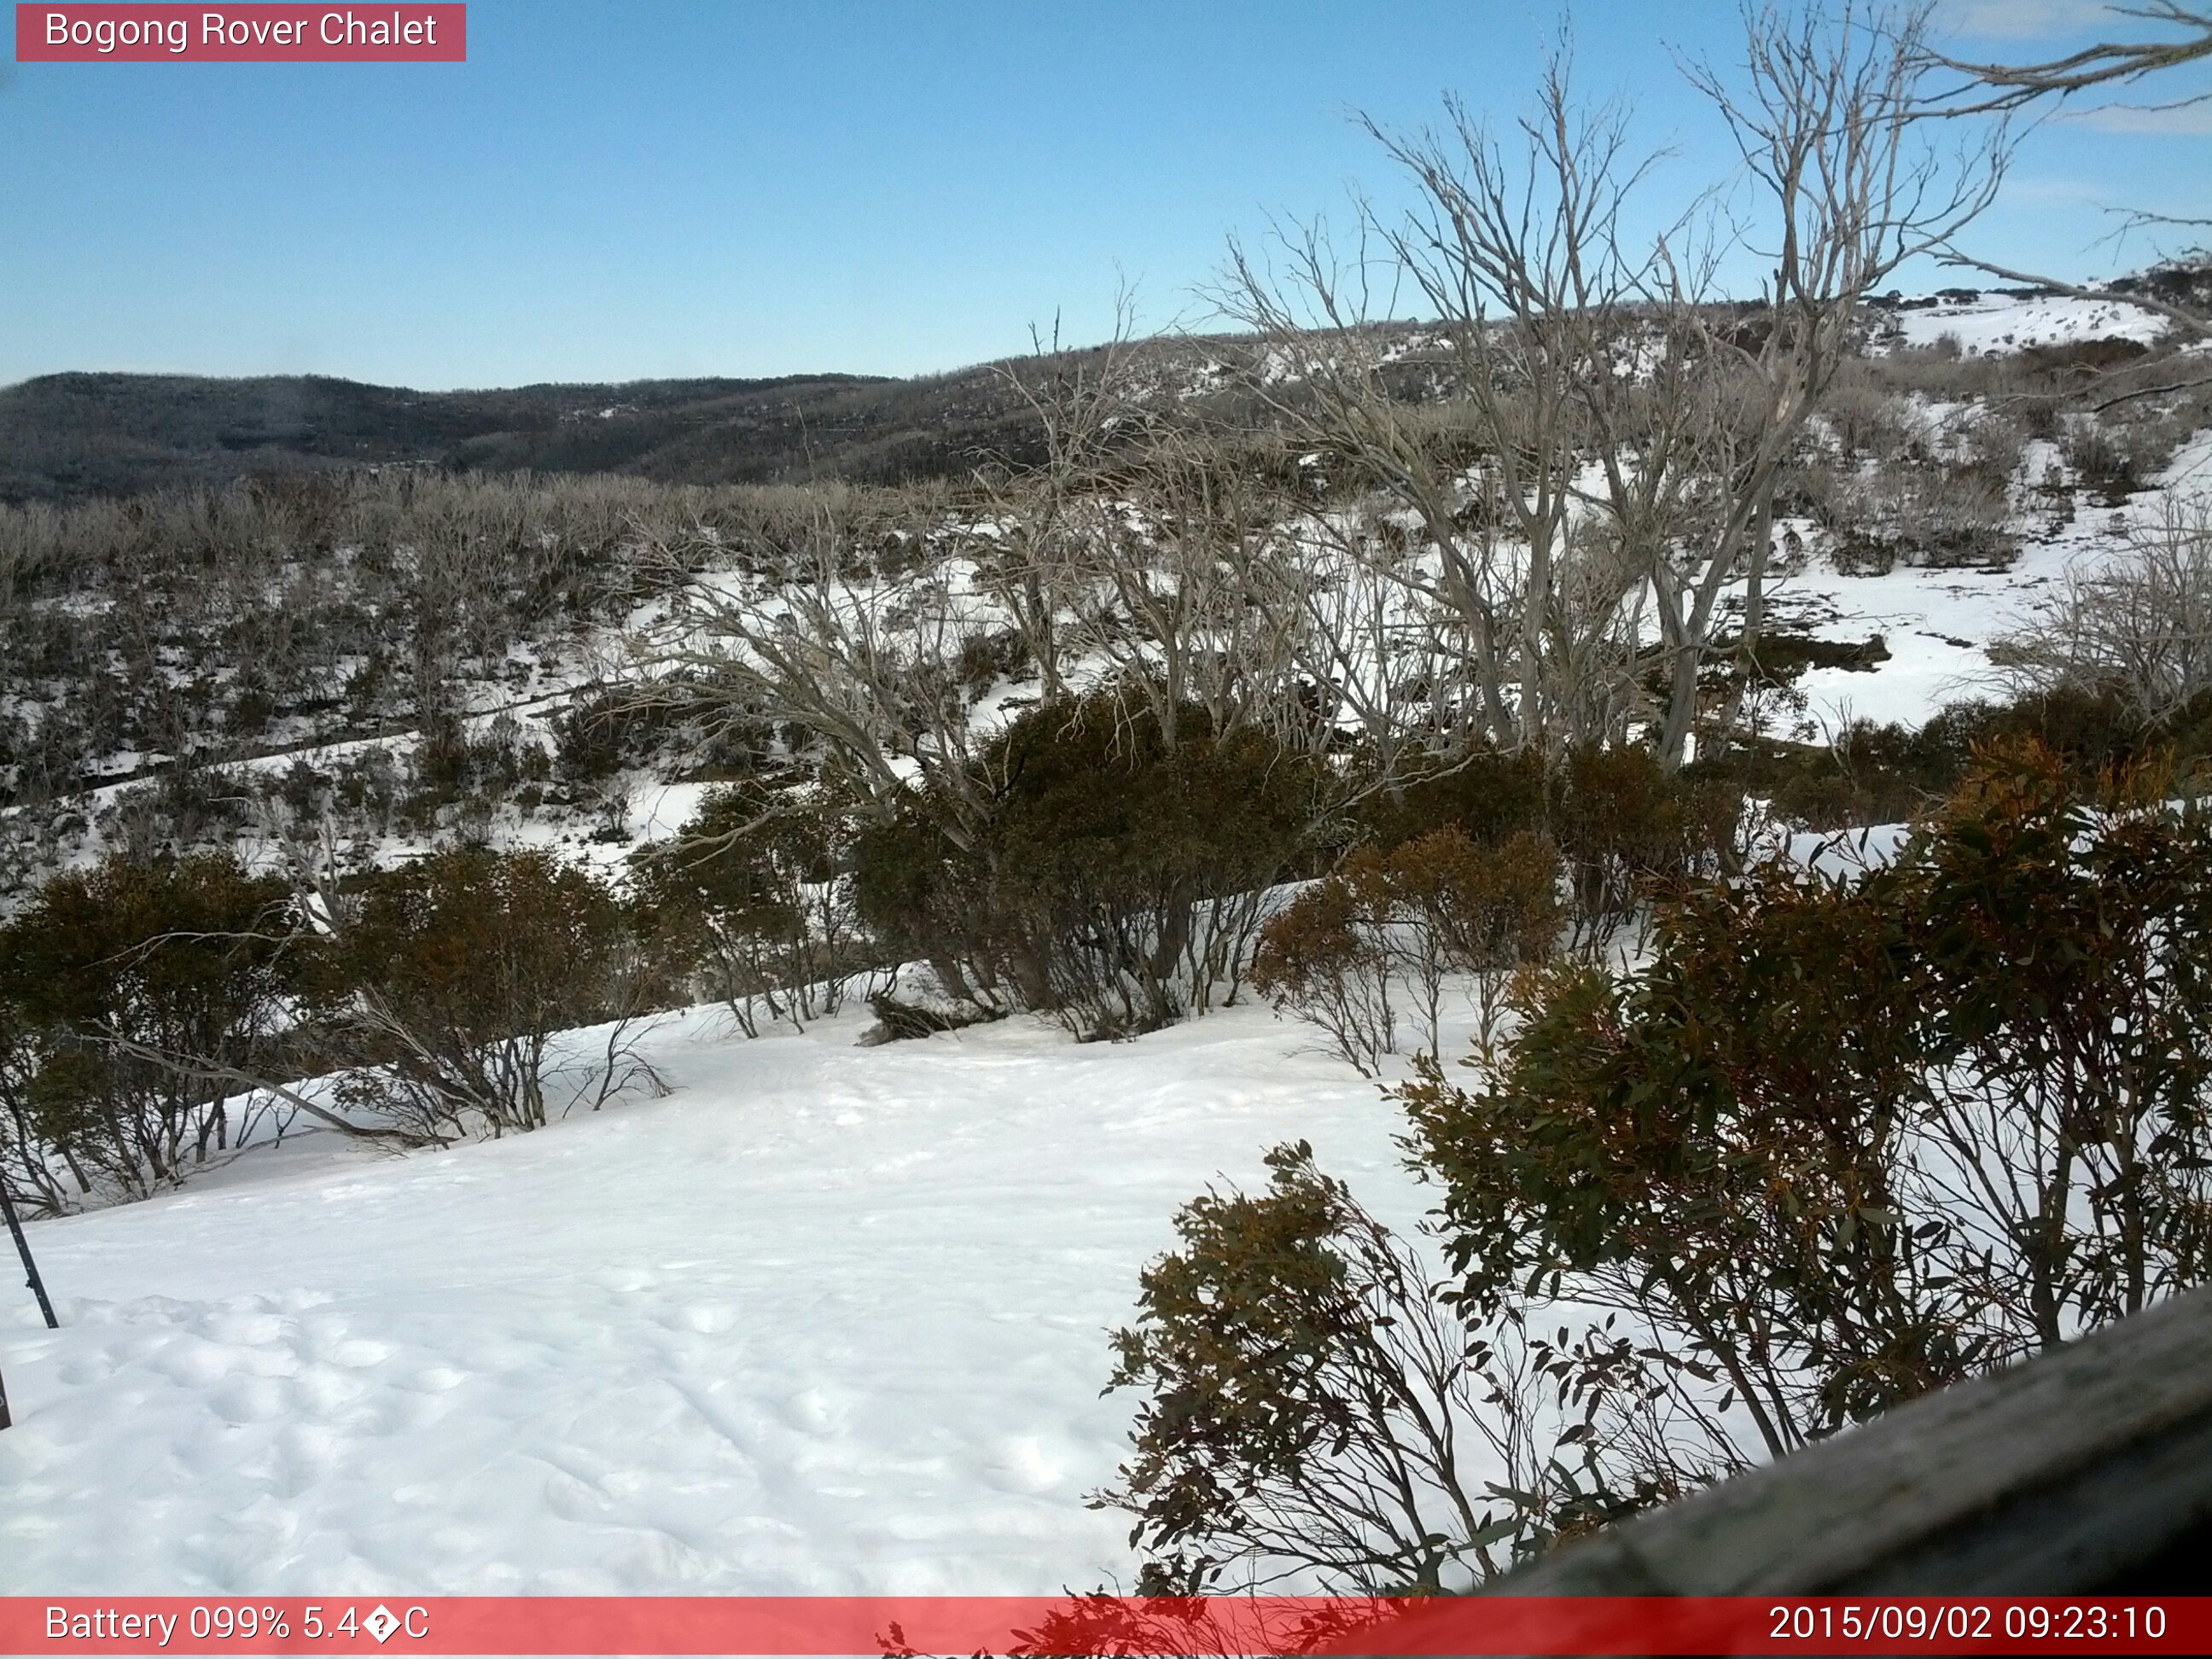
664 187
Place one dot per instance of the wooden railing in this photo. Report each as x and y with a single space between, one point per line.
2085 1471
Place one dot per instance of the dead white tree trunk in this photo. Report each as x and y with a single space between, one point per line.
1826 111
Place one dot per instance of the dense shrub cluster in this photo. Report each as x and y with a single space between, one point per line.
1312 1407
1627 826
154 1015
1889 774
1411 916
1932 514
754 902
167 638
187 625
1837 1142
108 973
1093 868
445 991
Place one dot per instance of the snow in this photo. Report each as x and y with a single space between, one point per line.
826 1320
1996 323
1845 853
1938 623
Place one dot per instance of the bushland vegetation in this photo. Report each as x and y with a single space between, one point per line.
1841 1139
1844 1133
1391 666
69 437
1102 865
156 1015
753 906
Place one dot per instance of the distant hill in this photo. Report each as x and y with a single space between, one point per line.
67 436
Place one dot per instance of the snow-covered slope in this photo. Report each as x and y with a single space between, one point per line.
1996 322
1938 623
827 1319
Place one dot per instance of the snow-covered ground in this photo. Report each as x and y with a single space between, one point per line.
1995 322
826 1319
1939 623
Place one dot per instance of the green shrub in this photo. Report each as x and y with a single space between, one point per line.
1095 870
129 986
1890 774
1313 1407
755 897
1843 1142
1625 824
1323 958
1836 1144
445 988
922 887
1434 907
1490 794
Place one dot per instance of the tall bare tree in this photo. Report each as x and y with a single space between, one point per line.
1564 352
1027 545
838 622
1852 185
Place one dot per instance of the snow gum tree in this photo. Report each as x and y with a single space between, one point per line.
1588 441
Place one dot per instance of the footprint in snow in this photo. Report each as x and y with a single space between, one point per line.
707 1319
1020 1463
355 1353
243 1400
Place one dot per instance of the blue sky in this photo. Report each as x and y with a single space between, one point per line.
674 187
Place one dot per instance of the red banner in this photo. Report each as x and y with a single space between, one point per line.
1129 1625
80 34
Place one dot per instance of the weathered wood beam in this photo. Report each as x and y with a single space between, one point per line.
2089 1469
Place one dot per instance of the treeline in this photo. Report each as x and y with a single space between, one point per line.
156 1012
184 631
69 438
1330 522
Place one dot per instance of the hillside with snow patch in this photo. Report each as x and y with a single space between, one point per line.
1937 623
826 1318
1995 322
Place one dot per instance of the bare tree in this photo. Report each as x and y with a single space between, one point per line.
807 633
1556 349
1854 185
1039 515
2140 624
2002 86
1518 248
1479 467
1315 1409
1178 591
